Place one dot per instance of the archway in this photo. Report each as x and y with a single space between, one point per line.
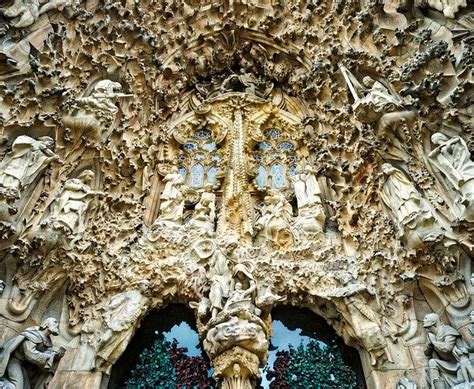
158 344
299 330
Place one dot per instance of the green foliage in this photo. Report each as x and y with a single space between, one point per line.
311 366
154 369
164 365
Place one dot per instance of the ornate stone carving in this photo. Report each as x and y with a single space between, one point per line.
274 223
20 168
453 159
449 363
416 222
27 12
262 153
33 347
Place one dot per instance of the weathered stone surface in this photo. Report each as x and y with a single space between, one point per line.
235 156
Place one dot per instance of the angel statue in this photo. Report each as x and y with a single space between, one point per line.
376 102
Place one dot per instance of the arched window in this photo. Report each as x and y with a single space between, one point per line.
197 176
261 177
211 175
276 158
278 176
198 159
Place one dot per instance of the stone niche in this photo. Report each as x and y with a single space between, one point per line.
234 156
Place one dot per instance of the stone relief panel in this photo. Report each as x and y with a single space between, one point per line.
235 156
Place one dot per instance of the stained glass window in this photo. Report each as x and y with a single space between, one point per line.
273 133
271 156
202 134
264 146
211 175
182 171
190 146
199 158
197 176
261 179
286 146
278 176
293 170
211 146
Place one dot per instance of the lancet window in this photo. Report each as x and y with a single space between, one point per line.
199 159
276 160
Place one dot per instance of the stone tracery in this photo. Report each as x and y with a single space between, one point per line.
259 153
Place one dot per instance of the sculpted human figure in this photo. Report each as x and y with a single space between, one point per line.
25 162
406 203
205 213
33 347
92 110
366 325
69 208
374 102
307 189
453 158
29 10
103 96
274 223
220 276
449 362
172 198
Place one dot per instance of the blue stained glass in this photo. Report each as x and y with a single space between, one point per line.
293 171
182 171
216 158
209 146
273 133
182 158
211 175
199 156
259 157
278 176
202 134
190 146
197 176
264 146
261 179
286 146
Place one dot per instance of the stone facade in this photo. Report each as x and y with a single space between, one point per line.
234 156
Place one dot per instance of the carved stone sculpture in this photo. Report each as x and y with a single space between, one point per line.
204 214
416 222
449 362
92 114
373 102
172 200
311 216
366 326
26 160
447 7
33 347
69 208
20 168
274 223
244 172
28 11
453 159
220 277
